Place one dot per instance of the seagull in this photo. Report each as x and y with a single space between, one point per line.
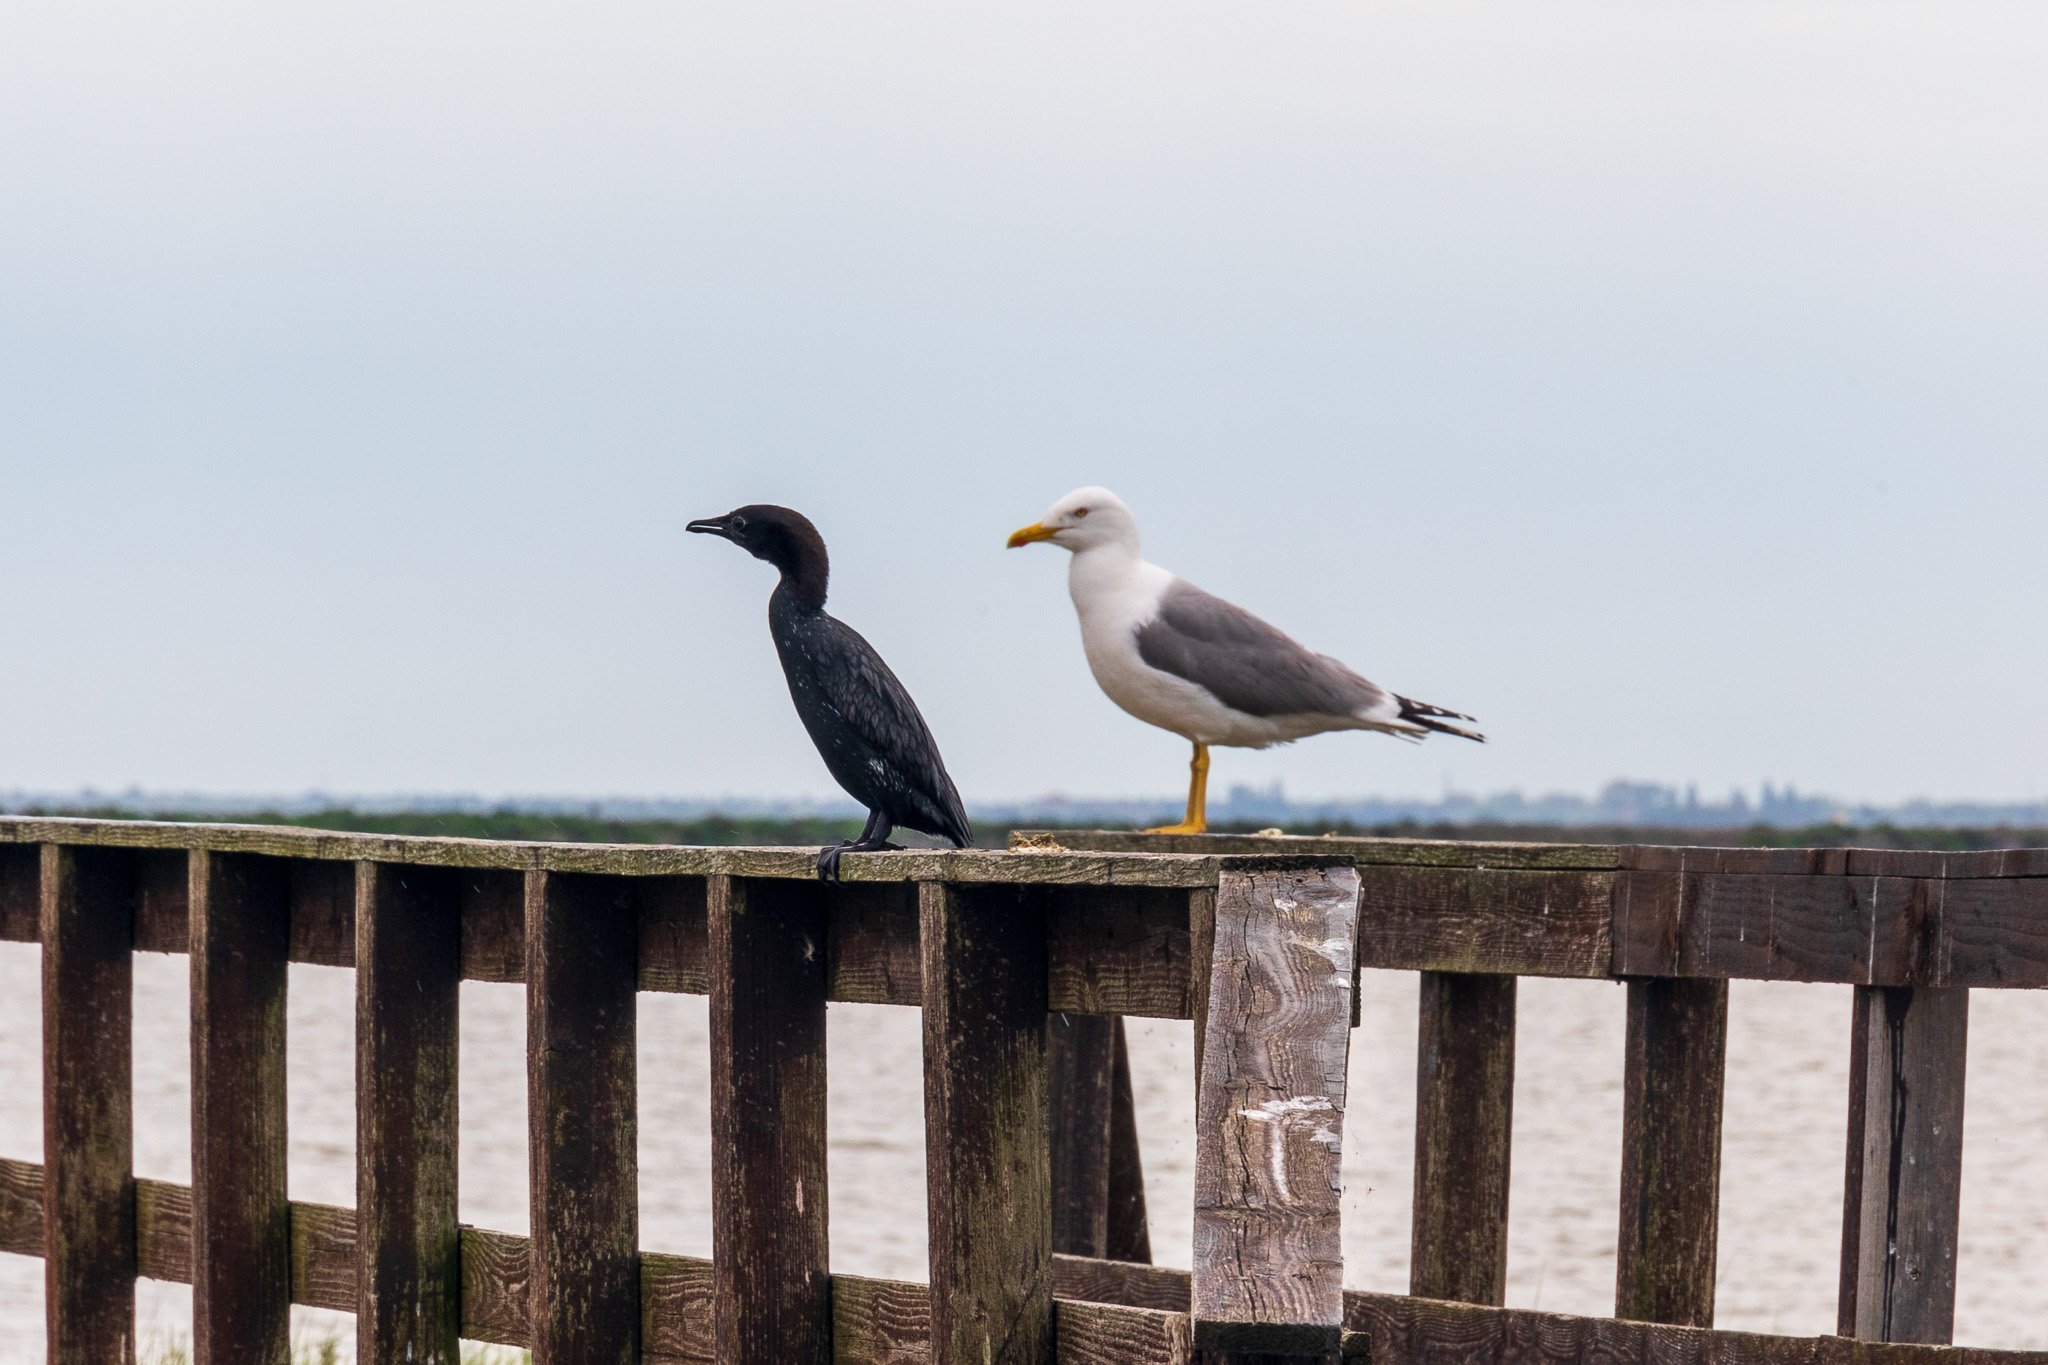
864 723
1211 672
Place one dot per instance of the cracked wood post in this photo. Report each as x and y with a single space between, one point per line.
772 1292
408 1258
239 932
582 960
1671 1150
1269 1267
87 930
987 1141
1903 1197
1464 1123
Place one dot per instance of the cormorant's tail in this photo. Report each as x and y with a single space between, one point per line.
1434 717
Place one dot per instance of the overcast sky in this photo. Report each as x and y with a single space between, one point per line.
1665 385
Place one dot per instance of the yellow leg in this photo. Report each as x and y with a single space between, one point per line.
1197 821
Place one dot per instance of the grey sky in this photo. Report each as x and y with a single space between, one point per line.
1664 385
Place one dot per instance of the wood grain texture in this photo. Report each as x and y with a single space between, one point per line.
240 930
674 941
87 925
1080 1079
769 1194
21 1207
1903 1196
324 1257
1130 1232
677 1304
1676 1063
582 939
1332 849
1527 923
1117 951
21 875
408 1268
986 1144
1270 1114
970 866
1464 1129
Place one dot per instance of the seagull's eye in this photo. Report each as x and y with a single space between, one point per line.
1080 512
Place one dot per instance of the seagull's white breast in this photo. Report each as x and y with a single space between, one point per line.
1115 594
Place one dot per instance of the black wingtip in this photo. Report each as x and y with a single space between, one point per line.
1434 718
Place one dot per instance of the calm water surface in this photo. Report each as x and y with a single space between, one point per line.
1782 1168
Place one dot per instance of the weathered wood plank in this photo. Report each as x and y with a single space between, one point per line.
1080 1076
240 929
986 1144
87 926
408 960
1121 950
1902 1205
677 1308
769 1195
163 1231
160 883
21 874
21 1207
497 1287
1270 1114
970 866
582 937
324 1257
1130 1233
492 912
323 912
1671 1150
1464 1127
674 941
871 955
1517 922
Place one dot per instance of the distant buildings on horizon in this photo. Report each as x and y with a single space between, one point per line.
1618 803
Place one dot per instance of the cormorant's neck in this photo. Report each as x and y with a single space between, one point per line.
804 572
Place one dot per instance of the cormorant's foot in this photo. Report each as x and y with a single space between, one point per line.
828 860
1184 827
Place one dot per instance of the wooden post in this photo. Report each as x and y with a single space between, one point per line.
408 1260
1269 1260
582 966
1464 1123
1130 1234
1904 1189
773 1290
239 925
87 914
986 1139
1080 1075
1671 1150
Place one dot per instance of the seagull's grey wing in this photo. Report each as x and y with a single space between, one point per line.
1245 663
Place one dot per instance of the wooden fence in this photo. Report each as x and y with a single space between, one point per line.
1035 1203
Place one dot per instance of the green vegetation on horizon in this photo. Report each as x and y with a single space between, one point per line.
800 831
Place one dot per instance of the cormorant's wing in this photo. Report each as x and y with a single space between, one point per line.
874 707
1248 665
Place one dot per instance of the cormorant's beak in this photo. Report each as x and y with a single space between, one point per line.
1037 530
711 526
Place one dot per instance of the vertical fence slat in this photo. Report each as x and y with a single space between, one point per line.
408 1259
1464 1124
239 928
87 931
773 1299
1903 1199
1671 1150
1130 1232
986 1139
1080 1062
582 966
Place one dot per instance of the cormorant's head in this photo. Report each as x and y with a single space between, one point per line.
783 537
1083 520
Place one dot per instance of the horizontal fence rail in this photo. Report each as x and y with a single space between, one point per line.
1022 962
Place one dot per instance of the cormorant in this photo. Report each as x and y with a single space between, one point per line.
864 723
1188 662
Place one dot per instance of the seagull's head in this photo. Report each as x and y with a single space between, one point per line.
783 537
1083 520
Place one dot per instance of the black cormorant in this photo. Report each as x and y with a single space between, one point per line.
864 723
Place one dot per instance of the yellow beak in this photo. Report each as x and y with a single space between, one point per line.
1037 530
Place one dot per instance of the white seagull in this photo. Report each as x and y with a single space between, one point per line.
1189 662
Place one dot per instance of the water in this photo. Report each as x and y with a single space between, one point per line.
1781 1178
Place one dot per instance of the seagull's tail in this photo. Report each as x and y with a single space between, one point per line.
1435 717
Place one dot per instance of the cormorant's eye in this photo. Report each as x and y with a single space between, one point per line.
739 523
1080 512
